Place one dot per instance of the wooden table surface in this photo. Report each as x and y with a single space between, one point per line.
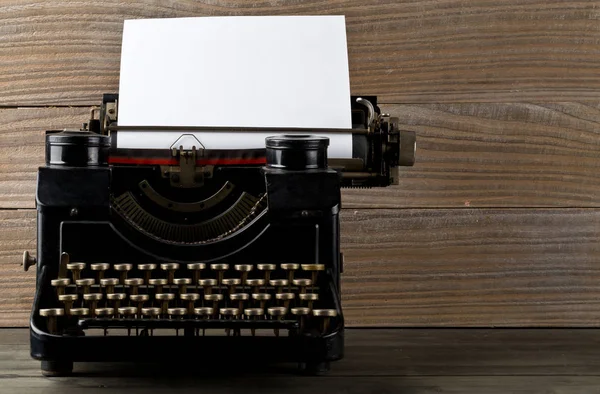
411 361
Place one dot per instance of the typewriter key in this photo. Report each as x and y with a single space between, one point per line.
220 268
99 268
301 312
68 300
76 269
240 297
232 283
109 284
158 284
60 285
151 312
115 299
133 284
214 298
182 283
314 270
302 284
190 298
255 284
279 283
80 312
244 269
51 315
290 268
85 284
176 313
262 298
139 299
123 269
92 300
104 312
267 268
230 313
147 269
254 314
326 314
127 312
170 268
207 285
286 298
277 313
203 313
164 299
309 298
196 268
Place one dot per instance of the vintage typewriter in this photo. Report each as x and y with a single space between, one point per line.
219 254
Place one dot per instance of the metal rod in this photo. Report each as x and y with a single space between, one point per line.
277 130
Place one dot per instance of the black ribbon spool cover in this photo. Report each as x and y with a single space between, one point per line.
77 149
297 152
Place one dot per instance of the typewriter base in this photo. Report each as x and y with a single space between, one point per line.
312 354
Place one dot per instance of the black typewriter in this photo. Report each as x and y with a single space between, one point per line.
142 255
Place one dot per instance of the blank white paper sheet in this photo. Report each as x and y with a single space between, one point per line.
247 71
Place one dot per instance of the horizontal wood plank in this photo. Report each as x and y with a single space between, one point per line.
423 267
468 155
67 52
411 361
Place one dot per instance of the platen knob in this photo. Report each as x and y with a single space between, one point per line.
28 261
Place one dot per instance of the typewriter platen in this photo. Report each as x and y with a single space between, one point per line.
226 254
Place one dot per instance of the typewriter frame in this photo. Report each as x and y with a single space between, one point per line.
61 213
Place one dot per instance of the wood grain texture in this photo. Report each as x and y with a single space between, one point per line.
67 51
381 361
469 155
423 267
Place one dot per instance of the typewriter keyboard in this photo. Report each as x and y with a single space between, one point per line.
163 299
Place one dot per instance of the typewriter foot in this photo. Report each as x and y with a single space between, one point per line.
315 368
57 368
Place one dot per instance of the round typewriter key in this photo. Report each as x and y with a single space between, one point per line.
85 284
127 311
290 268
277 313
115 299
182 283
158 284
92 300
308 298
123 269
104 312
207 285
255 284
314 271
51 314
170 268
279 284
139 299
254 314
262 298
326 314
80 312
164 299
220 268
190 298
151 312
232 283
76 269
133 284
203 311
60 285
176 312
109 284
229 313
214 298
286 298
267 268
68 300
244 269
301 312
147 270
196 268
99 268
302 284
240 297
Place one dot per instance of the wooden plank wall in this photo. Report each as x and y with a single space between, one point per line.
496 225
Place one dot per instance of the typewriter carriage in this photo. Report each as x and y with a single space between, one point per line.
190 213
